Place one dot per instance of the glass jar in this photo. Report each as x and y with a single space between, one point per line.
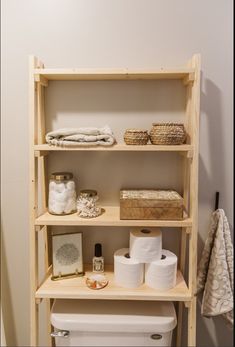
62 194
87 204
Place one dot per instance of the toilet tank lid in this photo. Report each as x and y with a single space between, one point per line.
109 315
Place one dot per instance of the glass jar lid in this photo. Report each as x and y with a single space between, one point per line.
88 193
61 176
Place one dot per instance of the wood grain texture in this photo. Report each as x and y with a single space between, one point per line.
193 200
111 217
75 288
192 323
114 74
119 147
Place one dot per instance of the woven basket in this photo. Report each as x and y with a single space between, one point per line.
167 134
136 137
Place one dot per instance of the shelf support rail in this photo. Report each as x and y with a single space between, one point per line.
37 174
191 198
193 202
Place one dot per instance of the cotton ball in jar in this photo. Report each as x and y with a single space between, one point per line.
51 206
62 197
52 186
71 194
58 208
70 206
61 191
52 195
70 185
60 187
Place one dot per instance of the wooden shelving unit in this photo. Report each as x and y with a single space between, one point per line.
41 220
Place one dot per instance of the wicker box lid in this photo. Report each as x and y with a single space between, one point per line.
150 198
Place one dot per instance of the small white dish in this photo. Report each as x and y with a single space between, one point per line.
96 281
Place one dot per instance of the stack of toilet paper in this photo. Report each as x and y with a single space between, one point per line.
145 261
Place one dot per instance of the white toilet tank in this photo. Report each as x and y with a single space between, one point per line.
113 323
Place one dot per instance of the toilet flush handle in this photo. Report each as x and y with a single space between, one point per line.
60 333
156 337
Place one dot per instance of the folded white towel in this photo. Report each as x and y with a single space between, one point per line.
72 137
215 271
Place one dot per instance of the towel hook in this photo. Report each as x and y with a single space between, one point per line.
216 201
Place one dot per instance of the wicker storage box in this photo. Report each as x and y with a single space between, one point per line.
136 137
151 204
167 134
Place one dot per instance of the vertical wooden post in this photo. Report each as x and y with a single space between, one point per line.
192 322
194 133
33 197
183 244
186 192
43 189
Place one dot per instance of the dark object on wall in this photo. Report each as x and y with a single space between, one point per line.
216 201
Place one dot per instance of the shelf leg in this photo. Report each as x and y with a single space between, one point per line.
49 302
179 324
34 325
192 323
183 245
193 203
34 309
44 184
33 203
50 340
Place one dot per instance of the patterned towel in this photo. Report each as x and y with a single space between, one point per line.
72 137
215 271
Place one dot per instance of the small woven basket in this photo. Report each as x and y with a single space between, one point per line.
167 134
136 137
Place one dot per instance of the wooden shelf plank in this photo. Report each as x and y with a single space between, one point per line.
112 74
118 148
110 217
75 288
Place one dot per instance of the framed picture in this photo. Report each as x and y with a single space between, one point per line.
67 255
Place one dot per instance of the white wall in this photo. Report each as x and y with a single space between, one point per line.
111 33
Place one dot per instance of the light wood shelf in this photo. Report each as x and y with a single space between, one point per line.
120 147
110 217
111 74
75 288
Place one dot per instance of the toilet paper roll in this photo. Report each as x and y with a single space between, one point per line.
161 274
146 245
128 272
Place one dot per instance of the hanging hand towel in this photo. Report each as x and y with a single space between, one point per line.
72 137
215 271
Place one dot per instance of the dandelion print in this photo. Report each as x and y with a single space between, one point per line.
67 254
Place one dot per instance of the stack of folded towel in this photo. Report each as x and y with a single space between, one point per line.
72 137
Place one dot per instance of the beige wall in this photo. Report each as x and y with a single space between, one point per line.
111 33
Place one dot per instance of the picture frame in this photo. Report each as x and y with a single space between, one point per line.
67 256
